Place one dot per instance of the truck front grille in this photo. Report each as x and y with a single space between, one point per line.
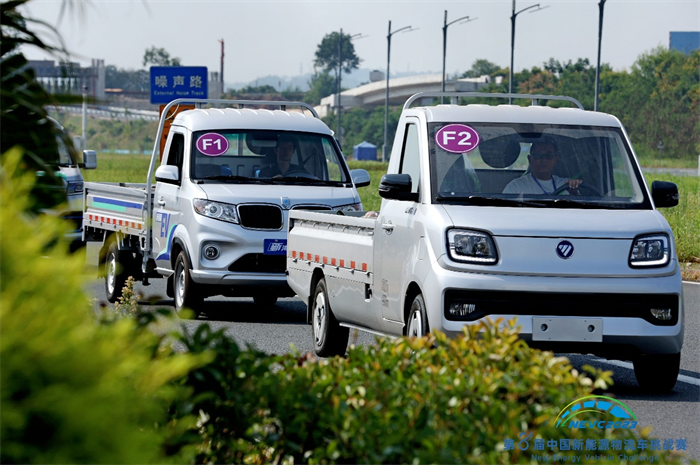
260 263
261 216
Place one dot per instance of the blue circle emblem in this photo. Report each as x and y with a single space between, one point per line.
565 250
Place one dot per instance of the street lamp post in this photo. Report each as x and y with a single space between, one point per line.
512 43
601 6
464 19
340 73
386 100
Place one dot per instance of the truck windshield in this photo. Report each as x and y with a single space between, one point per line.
559 166
273 156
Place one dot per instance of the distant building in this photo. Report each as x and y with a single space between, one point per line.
684 41
70 78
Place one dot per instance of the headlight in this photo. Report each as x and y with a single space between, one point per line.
216 210
652 250
74 187
471 247
355 207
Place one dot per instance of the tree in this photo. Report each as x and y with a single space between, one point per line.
321 85
159 57
481 67
126 79
336 53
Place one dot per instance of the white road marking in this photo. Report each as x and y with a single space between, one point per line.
629 366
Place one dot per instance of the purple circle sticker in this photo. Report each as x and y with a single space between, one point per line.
212 144
457 138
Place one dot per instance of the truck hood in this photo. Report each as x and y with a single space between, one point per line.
297 195
551 222
527 240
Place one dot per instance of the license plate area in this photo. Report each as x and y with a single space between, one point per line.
275 247
567 329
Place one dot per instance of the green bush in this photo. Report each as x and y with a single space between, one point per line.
431 400
73 391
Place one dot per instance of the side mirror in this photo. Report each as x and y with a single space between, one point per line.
360 177
89 159
168 173
664 194
397 187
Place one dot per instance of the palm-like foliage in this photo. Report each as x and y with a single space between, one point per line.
23 115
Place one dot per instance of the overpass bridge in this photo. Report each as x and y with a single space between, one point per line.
400 89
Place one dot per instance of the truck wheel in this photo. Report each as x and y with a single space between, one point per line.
417 322
185 290
329 337
657 373
116 272
265 300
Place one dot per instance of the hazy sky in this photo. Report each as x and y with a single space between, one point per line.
280 37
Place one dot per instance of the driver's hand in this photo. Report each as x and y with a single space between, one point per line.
574 183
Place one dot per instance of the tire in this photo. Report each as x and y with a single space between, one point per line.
116 272
417 319
657 373
186 292
329 337
263 300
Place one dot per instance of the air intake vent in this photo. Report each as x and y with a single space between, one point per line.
259 263
260 216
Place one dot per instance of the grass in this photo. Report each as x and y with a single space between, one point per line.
684 219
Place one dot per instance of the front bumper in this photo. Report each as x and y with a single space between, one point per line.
620 305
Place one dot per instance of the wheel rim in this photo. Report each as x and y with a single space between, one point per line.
180 287
320 318
111 273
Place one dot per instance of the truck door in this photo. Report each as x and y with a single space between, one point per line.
166 214
395 237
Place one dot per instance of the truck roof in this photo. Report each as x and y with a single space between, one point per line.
235 118
514 114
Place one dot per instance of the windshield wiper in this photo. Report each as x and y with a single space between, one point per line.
231 177
582 204
488 201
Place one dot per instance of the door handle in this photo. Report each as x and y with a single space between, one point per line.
388 227
161 202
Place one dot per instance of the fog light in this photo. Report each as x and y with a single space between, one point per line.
663 314
211 252
460 309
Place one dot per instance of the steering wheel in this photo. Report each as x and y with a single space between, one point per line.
583 185
299 174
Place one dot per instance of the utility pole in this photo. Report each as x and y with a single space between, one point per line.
464 19
512 43
601 5
222 65
385 155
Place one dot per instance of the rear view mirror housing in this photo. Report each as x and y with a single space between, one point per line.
664 194
397 187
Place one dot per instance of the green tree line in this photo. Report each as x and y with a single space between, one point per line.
658 99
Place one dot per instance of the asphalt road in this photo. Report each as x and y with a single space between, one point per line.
671 416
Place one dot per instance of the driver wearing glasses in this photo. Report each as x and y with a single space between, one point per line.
543 159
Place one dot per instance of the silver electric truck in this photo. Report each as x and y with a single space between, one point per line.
532 213
215 220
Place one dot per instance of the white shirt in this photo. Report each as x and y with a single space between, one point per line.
529 185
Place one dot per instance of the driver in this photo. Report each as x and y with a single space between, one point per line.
543 159
283 165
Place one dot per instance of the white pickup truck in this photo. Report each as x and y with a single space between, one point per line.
215 221
535 213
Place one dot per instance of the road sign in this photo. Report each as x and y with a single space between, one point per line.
171 82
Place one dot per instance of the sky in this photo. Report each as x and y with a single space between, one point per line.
280 37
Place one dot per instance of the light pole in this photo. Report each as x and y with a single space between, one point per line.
601 6
512 43
386 100
340 73
444 45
